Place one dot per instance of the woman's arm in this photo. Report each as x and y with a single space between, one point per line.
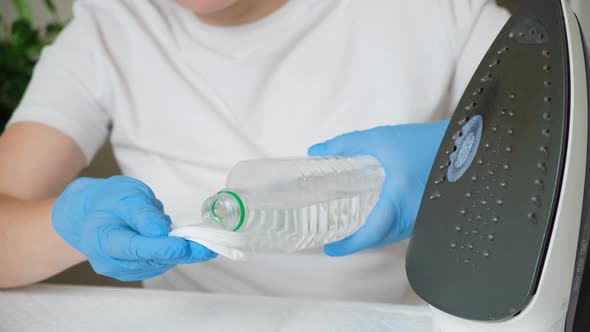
36 164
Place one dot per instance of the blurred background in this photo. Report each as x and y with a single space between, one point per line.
25 27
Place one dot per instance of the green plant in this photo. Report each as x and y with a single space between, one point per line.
20 46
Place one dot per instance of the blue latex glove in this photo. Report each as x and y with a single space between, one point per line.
121 227
406 153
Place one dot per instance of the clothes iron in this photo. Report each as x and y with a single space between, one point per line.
501 238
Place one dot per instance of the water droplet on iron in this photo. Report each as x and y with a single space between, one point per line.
512 95
510 131
462 211
532 217
435 195
486 254
547 116
542 166
499 202
468 194
492 237
495 219
458 228
439 180
494 63
536 200
486 77
453 245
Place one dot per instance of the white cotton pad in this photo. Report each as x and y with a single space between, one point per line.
220 241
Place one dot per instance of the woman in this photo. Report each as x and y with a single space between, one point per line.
185 89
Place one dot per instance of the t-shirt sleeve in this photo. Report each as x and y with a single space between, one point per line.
67 90
474 26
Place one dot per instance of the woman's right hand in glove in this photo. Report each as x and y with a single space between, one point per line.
121 227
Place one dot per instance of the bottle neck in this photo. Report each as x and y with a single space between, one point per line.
224 209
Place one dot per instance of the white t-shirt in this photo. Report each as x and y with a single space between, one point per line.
182 102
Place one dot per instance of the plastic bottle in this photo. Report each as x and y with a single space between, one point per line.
282 205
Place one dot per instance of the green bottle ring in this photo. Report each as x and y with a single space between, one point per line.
240 205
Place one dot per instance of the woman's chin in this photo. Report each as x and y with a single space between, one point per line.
206 7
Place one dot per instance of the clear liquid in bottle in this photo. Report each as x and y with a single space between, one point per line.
283 205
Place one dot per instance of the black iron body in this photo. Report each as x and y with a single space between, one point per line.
483 259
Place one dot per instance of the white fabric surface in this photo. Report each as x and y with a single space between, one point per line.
89 309
183 102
